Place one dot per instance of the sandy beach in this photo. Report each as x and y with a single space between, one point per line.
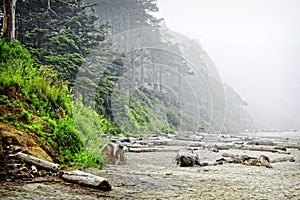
155 175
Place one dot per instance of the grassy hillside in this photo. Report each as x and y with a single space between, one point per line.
34 102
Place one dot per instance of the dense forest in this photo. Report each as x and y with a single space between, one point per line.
72 71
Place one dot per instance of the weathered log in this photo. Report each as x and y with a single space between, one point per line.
241 158
38 162
261 142
190 138
137 146
187 159
193 148
283 159
248 160
223 146
289 145
142 150
197 144
264 161
230 155
257 148
166 142
203 164
280 148
216 150
229 140
86 179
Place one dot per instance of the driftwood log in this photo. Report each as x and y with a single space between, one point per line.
86 179
38 162
261 160
289 145
143 150
261 142
283 159
259 148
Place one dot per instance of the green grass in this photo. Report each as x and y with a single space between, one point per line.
35 99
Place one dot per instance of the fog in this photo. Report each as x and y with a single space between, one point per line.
255 46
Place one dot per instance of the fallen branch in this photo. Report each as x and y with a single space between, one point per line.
76 5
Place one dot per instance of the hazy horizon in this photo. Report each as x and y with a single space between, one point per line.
255 46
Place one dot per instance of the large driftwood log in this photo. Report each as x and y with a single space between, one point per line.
283 159
289 145
38 162
189 138
247 160
143 150
261 142
230 155
259 148
87 179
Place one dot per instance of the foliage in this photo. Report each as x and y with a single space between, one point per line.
89 158
35 99
146 111
60 36
126 14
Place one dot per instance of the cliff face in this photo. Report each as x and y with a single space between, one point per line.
237 116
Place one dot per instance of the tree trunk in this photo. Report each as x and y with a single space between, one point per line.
8 27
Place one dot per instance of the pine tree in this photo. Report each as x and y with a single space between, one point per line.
59 33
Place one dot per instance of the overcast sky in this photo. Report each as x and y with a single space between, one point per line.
255 45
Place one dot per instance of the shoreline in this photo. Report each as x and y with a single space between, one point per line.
155 175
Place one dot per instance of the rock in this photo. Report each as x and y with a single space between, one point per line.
187 159
114 153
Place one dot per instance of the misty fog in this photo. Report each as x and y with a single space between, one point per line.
255 46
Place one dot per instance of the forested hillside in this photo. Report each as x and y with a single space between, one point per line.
67 78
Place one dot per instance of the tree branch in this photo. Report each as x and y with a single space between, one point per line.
76 5
28 21
49 7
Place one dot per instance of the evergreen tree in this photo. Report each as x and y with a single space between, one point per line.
126 14
59 34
